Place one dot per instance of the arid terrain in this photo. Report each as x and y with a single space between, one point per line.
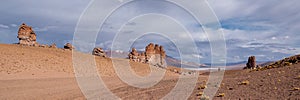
47 73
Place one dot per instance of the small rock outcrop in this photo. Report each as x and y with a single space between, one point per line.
69 46
251 63
44 46
154 54
282 63
26 35
99 52
53 45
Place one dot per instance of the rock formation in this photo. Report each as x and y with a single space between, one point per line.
69 46
99 52
134 55
251 62
53 45
149 51
162 52
27 36
154 54
44 46
142 57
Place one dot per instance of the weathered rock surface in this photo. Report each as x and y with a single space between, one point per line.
99 52
149 51
154 54
27 36
251 62
134 55
142 57
69 46
162 52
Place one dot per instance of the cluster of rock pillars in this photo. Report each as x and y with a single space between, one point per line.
154 53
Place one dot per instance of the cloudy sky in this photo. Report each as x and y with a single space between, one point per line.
267 29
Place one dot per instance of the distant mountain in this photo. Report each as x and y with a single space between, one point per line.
240 63
170 60
266 63
177 63
229 64
117 53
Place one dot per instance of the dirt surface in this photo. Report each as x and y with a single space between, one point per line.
271 84
45 73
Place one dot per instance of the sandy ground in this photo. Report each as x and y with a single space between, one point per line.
46 73
28 73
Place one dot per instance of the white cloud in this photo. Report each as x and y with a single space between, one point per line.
286 37
43 29
197 56
4 26
13 25
251 27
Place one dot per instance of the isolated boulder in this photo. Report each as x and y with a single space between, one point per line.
69 46
251 62
27 36
99 52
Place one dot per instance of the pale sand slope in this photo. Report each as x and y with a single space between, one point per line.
45 73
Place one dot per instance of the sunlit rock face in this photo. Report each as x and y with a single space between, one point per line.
154 54
134 55
26 35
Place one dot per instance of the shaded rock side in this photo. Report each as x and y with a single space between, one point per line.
134 55
99 52
251 62
69 46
